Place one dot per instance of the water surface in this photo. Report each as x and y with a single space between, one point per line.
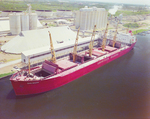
118 90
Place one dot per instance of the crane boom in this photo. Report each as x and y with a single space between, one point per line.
92 41
114 40
53 59
105 38
75 47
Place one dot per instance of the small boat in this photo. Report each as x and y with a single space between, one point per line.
55 73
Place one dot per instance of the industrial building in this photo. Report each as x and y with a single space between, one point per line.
44 13
7 13
63 13
32 39
61 50
5 25
22 22
86 18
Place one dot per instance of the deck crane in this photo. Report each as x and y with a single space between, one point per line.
53 59
114 40
92 41
75 46
105 38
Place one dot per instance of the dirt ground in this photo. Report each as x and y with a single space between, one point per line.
4 58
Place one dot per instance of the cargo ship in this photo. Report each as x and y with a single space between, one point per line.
55 73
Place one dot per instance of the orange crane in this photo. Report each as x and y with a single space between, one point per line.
105 38
75 46
114 40
53 59
92 41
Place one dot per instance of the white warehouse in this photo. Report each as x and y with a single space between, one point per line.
86 18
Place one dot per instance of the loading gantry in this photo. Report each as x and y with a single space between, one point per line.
53 59
92 41
105 38
75 46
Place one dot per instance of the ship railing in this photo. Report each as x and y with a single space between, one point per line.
19 73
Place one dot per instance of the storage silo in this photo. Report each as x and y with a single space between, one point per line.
85 15
99 17
102 23
105 19
77 19
88 23
92 20
24 22
15 23
86 18
32 21
95 17
82 18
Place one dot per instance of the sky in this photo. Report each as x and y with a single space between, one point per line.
142 2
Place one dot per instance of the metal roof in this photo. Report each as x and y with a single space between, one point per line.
33 39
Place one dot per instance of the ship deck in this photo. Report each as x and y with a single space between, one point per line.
49 69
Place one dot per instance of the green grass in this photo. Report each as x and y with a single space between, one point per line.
54 6
139 31
6 74
54 25
51 5
127 13
131 25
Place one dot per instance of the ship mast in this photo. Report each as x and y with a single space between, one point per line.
92 41
53 59
114 40
75 47
105 38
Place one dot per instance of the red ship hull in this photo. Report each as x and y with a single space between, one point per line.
39 86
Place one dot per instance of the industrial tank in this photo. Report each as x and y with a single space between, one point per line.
105 19
15 23
86 18
77 19
101 15
93 18
32 21
85 21
24 22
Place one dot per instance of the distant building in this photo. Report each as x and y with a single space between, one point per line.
86 18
